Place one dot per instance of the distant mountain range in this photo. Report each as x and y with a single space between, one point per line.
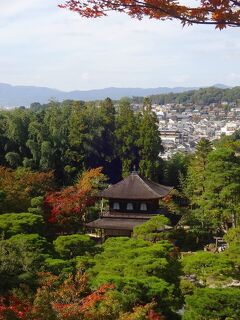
11 96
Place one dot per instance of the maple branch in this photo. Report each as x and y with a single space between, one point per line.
180 17
218 13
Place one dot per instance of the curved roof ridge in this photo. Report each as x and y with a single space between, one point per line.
117 183
156 184
148 187
136 187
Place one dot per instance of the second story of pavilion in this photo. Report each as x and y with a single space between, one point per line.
135 195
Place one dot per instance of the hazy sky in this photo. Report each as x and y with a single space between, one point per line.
43 45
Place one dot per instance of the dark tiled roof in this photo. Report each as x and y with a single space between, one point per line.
115 224
135 187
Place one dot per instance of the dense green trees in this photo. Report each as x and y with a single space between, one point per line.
22 256
210 268
209 282
194 185
233 237
73 245
221 196
209 304
72 136
141 272
233 251
175 169
212 184
203 96
16 223
152 229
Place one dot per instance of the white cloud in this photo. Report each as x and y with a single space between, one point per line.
44 45
233 78
13 8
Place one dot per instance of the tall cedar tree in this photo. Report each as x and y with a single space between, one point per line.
107 148
56 119
126 137
149 142
85 132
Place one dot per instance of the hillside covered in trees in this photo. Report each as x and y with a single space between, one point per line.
54 161
204 96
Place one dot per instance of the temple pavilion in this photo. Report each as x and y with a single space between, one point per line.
132 201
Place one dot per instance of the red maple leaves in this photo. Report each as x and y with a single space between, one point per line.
69 301
72 300
15 307
220 13
70 203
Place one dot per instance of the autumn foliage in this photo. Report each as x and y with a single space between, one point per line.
145 312
70 204
19 186
220 13
14 308
71 300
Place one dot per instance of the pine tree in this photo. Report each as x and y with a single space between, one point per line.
195 182
221 197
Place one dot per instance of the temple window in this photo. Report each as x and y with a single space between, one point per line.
129 206
116 206
143 207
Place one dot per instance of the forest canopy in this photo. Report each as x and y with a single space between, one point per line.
72 136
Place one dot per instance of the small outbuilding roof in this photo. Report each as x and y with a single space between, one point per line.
135 187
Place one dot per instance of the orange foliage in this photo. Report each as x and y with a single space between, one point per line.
47 279
67 298
72 290
168 198
20 185
145 312
72 300
95 297
220 13
71 202
81 308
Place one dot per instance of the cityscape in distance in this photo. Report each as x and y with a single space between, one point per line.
185 114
